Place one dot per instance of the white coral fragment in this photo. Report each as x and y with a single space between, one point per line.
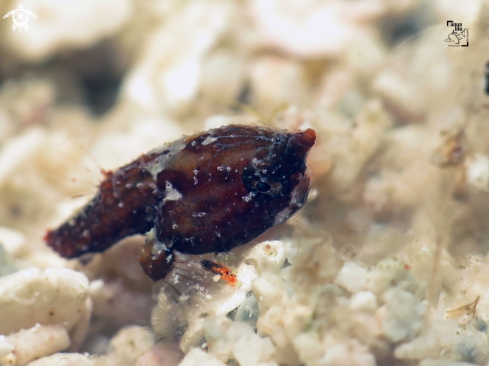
477 172
430 362
60 27
235 340
252 350
222 76
312 28
352 277
197 357
403 315
268 289
162 353
38 341
448 340
171 73
18 150
128 345
268 255
350 352
390 272
45 296
12 241
438 339
66 359
277 81
5 346
308 347
363 301
402 95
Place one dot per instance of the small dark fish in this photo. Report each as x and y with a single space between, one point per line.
209 192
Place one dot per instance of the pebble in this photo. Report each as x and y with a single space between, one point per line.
45 296
38 341
403 316
352 277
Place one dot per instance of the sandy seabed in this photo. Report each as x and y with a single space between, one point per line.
387 264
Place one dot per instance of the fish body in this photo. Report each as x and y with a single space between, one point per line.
209 192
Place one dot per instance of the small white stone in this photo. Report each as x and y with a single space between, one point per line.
251 350
19 150
349 352
128 345
59 27
162 353
12 240
38 341
5 346
439 337
364 301
314 262
268 289
9 359
182 80
268 255
228 340
477 172
309 347
430 362
272 78
46 296
313 29
169 75
197 357
389 272
404 96
403 317
352 277
66 359
222 76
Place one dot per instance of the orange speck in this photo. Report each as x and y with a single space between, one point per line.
217 268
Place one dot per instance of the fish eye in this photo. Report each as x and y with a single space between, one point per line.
263 187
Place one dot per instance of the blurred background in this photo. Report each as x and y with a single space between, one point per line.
401 164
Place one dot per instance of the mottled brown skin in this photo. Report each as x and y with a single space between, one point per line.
205 193
123 206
